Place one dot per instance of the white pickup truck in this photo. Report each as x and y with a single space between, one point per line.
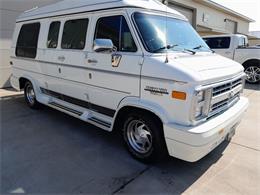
236 47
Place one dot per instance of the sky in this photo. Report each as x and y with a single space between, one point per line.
249 8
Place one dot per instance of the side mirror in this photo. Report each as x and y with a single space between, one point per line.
104 45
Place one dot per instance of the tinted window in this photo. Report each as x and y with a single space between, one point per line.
53 35
27 42
218 42
116 29
74 34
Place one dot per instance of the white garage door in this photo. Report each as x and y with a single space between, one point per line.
185 11
231 26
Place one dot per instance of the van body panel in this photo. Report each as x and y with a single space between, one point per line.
68 74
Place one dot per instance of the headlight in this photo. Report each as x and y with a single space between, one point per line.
201 104
198 111
200 96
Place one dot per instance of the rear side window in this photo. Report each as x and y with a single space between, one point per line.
27 42
218 42
53 35
116 29
74 34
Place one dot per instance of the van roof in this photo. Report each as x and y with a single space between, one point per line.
67 7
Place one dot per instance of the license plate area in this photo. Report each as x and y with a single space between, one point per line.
231 133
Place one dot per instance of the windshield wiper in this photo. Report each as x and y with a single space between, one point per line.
189 50
165 47
173 46
202 46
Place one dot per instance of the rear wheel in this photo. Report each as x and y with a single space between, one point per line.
30 96
143 136
252 73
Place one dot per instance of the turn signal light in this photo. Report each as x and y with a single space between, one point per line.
179 95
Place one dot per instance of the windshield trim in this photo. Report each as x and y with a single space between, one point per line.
142 39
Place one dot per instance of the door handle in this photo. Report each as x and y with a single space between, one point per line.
92 61
61 58
228 52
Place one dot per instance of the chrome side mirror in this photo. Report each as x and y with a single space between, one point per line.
104 45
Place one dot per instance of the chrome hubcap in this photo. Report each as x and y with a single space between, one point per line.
30 94
139 136
253 74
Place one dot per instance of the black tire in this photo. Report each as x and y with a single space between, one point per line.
158 150
254 70
30 96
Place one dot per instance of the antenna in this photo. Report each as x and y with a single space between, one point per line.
165 2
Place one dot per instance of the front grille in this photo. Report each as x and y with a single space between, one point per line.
224 96
224 103
226 87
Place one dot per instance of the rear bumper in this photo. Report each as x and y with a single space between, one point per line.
193 143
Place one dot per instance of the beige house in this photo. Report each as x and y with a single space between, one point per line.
254 38
206 17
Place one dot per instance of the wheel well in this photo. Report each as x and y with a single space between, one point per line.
251 62
22 82
119 121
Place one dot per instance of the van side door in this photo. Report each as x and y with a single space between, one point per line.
69 56
50 53
113 75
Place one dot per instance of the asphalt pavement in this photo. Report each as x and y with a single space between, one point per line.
46 151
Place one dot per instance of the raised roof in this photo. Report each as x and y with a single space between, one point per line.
78 6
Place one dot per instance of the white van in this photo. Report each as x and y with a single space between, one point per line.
130 65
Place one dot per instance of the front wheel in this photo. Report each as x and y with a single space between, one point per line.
30 96
143 136
252 74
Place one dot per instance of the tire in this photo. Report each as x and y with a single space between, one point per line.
253 73
30 96
143 137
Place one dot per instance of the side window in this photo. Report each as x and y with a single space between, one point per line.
116 29
27 42
74 34
53 35
218 42
242 42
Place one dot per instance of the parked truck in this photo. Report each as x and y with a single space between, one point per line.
236 47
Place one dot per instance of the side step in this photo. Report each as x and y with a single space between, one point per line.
66 108
79 114
101 122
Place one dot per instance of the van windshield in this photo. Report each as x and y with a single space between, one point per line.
180 35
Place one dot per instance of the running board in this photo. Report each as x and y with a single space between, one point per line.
92 119
101 122
66 108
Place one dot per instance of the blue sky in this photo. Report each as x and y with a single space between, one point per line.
249 8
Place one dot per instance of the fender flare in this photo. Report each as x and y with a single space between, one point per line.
147 105
29 78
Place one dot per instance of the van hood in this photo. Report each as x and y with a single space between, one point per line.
203 67
210 67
